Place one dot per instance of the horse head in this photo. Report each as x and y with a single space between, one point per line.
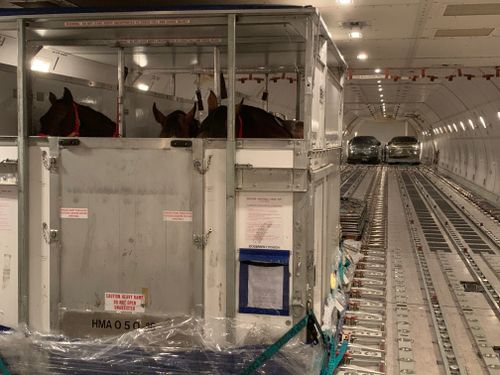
177 124
215 124
60 119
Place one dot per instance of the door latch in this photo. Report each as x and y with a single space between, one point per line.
49 235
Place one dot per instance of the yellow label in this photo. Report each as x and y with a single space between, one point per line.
333 281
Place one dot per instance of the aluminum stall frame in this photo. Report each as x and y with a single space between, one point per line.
303 172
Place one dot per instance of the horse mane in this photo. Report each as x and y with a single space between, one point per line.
216 127
99 116
94 123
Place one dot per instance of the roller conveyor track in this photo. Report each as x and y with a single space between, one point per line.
438 236
467 241
351 182
483 205
366 319
464 227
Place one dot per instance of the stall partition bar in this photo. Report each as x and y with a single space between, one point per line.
217 71
120 120
23 174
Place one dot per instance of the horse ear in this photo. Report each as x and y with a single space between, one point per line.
190 115
223 90
212 102
67 97
52 98
159 117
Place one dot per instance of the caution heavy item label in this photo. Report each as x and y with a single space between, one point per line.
74 213
126 302
169 215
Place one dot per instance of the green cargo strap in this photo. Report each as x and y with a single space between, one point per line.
334 360
274 348
3 368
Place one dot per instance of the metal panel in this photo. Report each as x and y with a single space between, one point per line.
8 238
127 239
271 179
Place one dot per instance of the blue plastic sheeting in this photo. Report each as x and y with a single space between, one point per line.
171 348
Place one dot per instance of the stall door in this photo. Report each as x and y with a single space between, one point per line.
127 256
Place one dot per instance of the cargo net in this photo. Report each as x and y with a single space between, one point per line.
185 346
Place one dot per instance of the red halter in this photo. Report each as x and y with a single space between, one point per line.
76 128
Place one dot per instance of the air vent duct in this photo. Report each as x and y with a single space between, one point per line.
492 9
442 33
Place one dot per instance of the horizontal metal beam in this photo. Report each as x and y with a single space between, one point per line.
284 12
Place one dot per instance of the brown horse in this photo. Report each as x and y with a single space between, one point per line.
65 118
251 122
177 124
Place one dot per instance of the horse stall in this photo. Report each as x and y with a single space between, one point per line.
167 245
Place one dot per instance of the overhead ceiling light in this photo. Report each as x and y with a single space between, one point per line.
380 89
498 115
379 81
378 70
344 2
482 121
362 56
382 100
462 125
449 127
142 87
381 95
355 33
38 65
140 59
471 124
455 127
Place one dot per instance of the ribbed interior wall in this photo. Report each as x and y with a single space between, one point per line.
472 156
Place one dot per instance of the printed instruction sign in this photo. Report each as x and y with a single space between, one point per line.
169 215
74 213
264 221
127 302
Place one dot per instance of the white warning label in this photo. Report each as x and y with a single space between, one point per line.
74 213
169 215
128 302
128 22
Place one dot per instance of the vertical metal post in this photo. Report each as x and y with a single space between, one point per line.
121 93
23 174
309 79
266 89
217 71
230 171
298 95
